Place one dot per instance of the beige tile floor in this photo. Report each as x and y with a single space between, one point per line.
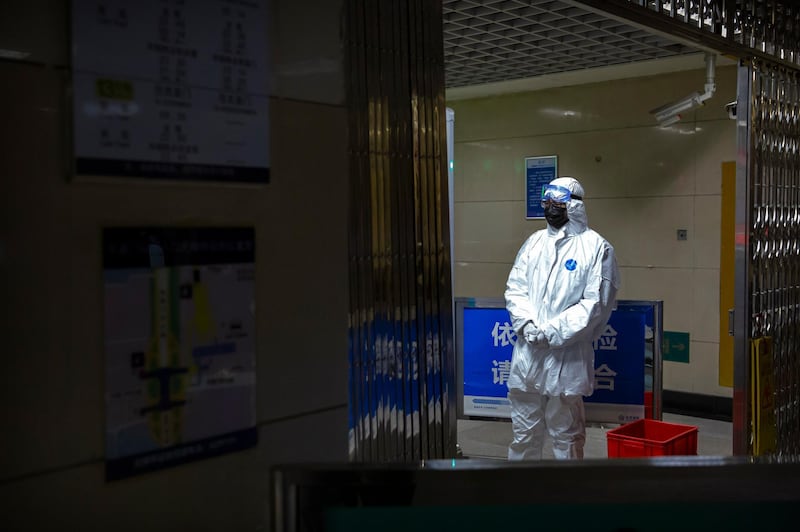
489 439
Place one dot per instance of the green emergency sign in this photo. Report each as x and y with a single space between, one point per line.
675 347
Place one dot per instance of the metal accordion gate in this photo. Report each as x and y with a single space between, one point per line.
767 358
402 404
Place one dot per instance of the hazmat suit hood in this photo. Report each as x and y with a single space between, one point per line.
576 210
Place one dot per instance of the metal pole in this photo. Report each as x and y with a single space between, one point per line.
742 318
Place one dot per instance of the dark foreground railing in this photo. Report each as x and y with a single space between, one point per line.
666 493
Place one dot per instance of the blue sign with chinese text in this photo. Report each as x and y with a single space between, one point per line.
487 346
619 361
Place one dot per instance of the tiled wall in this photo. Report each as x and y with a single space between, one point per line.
642 184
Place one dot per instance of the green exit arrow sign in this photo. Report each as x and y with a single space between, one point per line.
675 347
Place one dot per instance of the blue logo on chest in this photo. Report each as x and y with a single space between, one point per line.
571 265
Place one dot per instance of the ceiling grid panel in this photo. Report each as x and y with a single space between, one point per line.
488 41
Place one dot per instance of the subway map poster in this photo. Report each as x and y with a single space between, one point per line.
179 345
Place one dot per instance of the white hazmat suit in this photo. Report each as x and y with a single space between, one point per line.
560 294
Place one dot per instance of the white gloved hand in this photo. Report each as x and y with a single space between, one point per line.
529 332
540 339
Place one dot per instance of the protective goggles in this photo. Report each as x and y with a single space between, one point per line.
557 195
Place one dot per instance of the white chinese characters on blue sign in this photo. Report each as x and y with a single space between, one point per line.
604 378
500 371
603 374
503 334
607 340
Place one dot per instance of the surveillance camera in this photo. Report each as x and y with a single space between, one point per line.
668 121
668 112
731 109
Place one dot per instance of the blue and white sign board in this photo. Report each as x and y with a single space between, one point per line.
539 171
487 340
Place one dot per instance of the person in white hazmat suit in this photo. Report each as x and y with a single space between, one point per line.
560 294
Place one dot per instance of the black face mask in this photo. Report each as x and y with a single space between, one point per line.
556 216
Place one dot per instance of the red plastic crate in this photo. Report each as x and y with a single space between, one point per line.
648 405
650 437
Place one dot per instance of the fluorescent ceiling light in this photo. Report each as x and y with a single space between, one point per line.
13 54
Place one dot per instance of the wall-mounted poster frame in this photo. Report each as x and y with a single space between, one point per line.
171 90
539 171
179 335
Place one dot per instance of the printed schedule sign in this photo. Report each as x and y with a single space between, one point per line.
539 171
619 377
171 89
179 345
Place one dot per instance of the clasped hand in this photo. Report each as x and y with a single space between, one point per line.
533 335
